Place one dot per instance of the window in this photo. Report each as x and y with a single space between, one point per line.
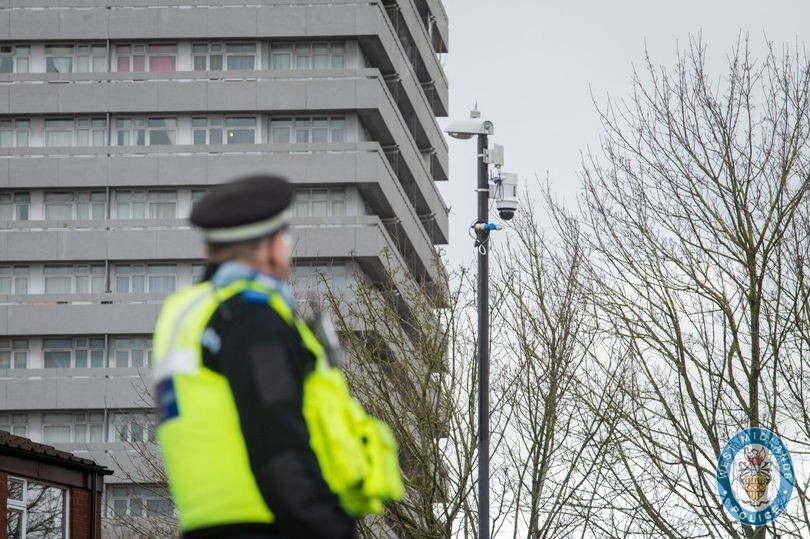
35 510
162 204
16 424
308 278
143 278
143 132
198 272
207 57
78 279
281 57
238 130
161 131
13 280
76 58
15 59
146 204
65 428
91 58
130 131
139 501
73 353
156 58
319 202
15 133
308 56
59 132
83 205
134 427
207 130
303 130
75 132
227 56
14 206
13 353
131 352
59 58
197 195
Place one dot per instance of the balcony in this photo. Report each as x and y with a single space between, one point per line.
418 47
322 92
433 10
73 389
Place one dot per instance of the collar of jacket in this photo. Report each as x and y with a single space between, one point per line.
229 272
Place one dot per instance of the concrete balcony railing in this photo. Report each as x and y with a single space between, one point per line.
73 389
79 314
441 24
432 70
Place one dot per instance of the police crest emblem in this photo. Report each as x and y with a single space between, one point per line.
755 476
753 473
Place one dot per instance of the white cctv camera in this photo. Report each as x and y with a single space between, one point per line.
506 195
464 129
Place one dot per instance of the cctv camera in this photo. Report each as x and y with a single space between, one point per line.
465 129
506 199
506 209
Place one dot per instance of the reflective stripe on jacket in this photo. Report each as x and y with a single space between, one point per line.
204 452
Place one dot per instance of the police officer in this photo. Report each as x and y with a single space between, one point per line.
231 357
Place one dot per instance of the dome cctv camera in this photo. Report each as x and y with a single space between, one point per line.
506 199
506 210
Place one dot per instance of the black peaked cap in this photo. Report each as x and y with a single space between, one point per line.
244 201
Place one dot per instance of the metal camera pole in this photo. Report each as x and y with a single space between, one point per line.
482 235
481 129
505 194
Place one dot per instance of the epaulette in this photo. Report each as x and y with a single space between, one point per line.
256 296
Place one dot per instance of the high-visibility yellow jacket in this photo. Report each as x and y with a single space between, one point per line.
205 454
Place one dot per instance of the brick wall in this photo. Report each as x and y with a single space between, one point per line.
79 513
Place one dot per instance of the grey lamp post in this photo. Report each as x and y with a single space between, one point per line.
466 129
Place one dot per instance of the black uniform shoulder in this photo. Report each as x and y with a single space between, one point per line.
249 307
240 322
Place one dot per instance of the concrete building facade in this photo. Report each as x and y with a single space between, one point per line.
117 115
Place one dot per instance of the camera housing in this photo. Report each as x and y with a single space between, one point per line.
506 195
467 129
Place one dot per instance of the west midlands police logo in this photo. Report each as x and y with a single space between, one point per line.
755 476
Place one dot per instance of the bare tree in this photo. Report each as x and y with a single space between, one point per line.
148 512
551 448
695 221
413 350
793 394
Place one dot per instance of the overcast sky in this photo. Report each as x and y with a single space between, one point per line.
533 65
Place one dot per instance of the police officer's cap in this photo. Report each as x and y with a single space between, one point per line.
245 209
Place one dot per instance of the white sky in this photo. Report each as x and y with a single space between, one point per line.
532 65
